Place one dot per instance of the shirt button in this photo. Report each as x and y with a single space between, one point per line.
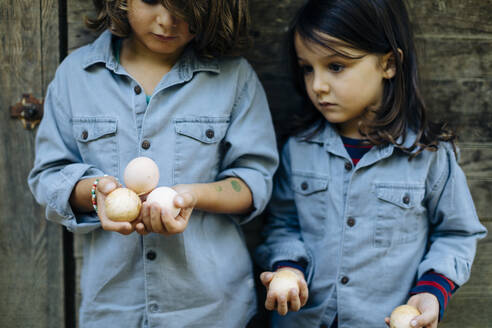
351 222
154 307
344 280
145 144
137 89
348 166
85 134
210 133
406 199
304 185
151 255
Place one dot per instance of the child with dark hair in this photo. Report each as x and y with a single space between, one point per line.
161 81
370 208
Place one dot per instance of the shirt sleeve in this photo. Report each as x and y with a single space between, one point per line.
251 149
283 239
454 224
438 285
58 167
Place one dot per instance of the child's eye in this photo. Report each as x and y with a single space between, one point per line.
151 2
337 68
306 69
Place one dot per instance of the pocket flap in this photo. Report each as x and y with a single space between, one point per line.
91 128
206 130
306 183
404 196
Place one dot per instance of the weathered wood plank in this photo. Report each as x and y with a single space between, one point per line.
31 278
455 58
470 307
462 17
476 161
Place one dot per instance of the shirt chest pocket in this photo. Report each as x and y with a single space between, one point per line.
311 201
401 217
97 142
199 148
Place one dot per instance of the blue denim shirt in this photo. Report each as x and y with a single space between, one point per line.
206 120
367 233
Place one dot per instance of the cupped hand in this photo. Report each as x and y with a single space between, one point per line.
105 186
285 300
153 218
428 305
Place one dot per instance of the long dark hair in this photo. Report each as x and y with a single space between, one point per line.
379 27
221 26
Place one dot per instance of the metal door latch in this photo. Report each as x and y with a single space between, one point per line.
29 110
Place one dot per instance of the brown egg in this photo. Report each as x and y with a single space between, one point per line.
402 315
164 196
283 281
141 175
122 204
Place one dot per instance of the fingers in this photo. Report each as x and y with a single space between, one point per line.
387 321
426 319
155 218
294 300
303 292
282 307
174 225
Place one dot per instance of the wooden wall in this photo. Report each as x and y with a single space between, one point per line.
455 41
31 249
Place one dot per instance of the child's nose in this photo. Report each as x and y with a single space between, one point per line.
165 18
320 84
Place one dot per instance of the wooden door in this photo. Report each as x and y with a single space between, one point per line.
31 249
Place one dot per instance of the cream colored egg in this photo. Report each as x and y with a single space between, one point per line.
164 196
122 204
402 315
141 175
283 281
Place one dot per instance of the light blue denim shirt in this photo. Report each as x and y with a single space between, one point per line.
206 120
367 233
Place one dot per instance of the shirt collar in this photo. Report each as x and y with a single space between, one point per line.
329 137
101 51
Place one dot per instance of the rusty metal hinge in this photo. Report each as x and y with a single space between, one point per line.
29 111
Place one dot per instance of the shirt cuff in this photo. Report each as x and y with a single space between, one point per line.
438 285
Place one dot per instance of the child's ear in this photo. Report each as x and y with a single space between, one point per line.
389 64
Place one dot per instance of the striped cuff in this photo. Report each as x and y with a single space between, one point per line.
289 264
438 285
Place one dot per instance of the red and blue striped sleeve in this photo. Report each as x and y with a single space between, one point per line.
438 285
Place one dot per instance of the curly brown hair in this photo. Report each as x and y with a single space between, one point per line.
220 26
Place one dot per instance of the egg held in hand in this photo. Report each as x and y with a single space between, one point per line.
402 315
283 281
141 175
164 196
122 204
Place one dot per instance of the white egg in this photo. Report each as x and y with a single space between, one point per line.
402 315
283 282
141 175
122 204
164 196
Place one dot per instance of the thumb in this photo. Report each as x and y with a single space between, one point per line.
105 186
266 278
422 320
184 200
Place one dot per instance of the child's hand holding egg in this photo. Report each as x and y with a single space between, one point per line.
287 290
141 176
402 316
164 196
